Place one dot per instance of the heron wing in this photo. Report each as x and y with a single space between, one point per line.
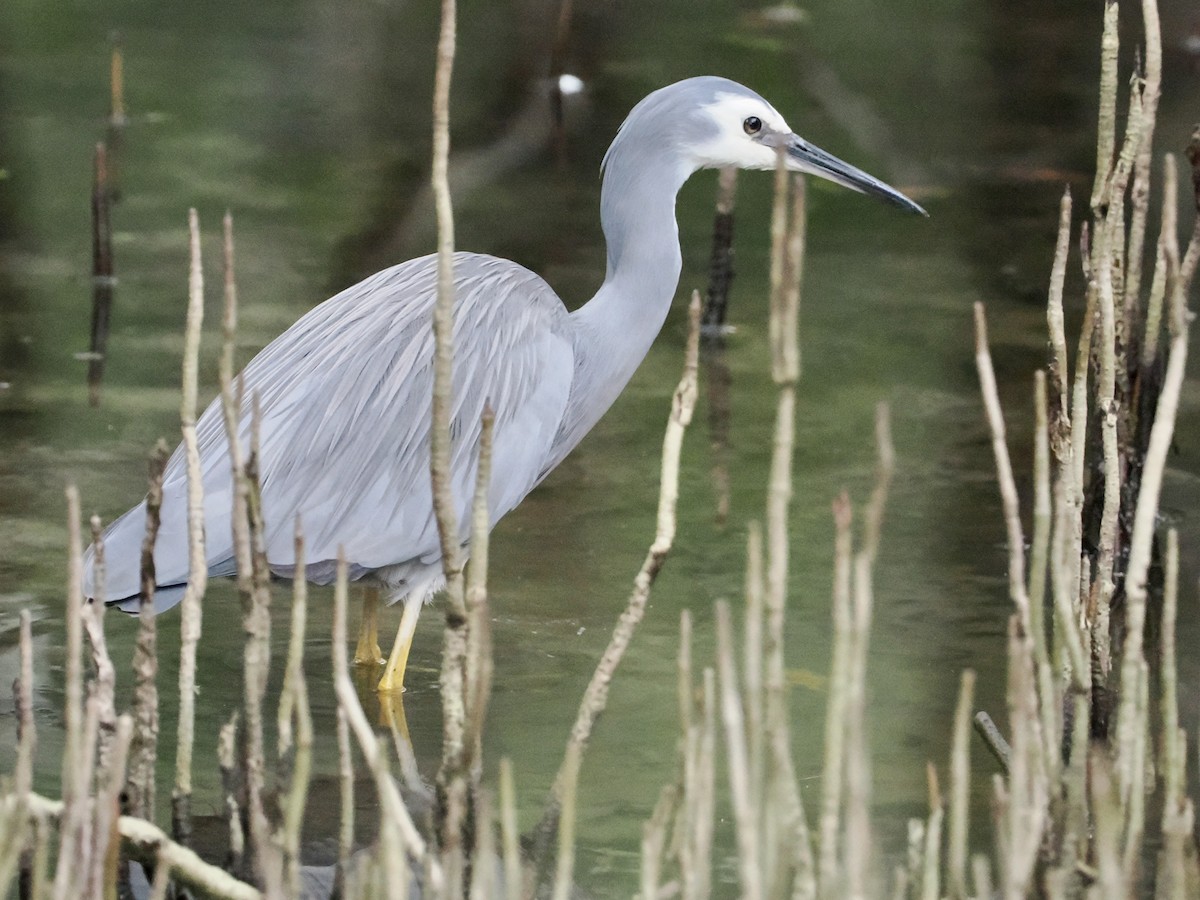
344 402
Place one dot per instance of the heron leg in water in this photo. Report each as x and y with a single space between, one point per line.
393 674
367 652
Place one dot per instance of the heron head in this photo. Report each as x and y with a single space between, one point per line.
744 130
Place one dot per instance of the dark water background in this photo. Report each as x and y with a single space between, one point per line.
311 123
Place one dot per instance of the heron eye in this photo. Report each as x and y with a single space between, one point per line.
752 125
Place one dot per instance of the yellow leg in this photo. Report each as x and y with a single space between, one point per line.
367 652
393 674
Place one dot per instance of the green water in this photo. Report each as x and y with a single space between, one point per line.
312 125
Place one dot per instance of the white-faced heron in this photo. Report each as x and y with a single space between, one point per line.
345 393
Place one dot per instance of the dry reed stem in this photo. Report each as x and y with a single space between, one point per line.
1107 124
452 798
1106 402
483 873
1170 760
1050 706
1158 285
1140 195
107 855
857 853
346 795
293 704
1004 472
960 773
745 815
509 834
1146 510
832 778
595 696
1060 419
479 643
443 316
145 658
654 839
752 659
103 685
931 857
191 605
256 664
1027 790
776 324
147 843
565 864
794 267
230 784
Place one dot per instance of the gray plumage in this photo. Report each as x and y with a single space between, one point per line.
345 393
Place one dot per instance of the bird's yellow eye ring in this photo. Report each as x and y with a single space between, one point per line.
752 125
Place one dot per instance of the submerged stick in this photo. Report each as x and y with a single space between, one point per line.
103 281
148 844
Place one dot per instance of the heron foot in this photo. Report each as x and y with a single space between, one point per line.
393 673
367 653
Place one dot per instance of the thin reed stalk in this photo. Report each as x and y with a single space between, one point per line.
141 779
191 605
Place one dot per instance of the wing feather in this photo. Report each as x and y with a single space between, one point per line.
345 397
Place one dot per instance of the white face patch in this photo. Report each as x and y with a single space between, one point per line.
732 146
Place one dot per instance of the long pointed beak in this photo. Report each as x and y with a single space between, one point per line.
804 157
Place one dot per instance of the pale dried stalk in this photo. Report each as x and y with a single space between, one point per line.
107 855
960 773
1171 758
145 841
479 644
141 780
794 266
1004 472
1107 125
452 806
483 873
1060 419
749 840
931 857
1050 704
230 782
1107 405
1146 510
509 835
654 839
191 605
293 704
776 324
103 685
565 866
1028 790
752 655
832 779
1140 196
256 666
346 795
857 853
596 694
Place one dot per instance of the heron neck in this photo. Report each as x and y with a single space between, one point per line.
614 330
